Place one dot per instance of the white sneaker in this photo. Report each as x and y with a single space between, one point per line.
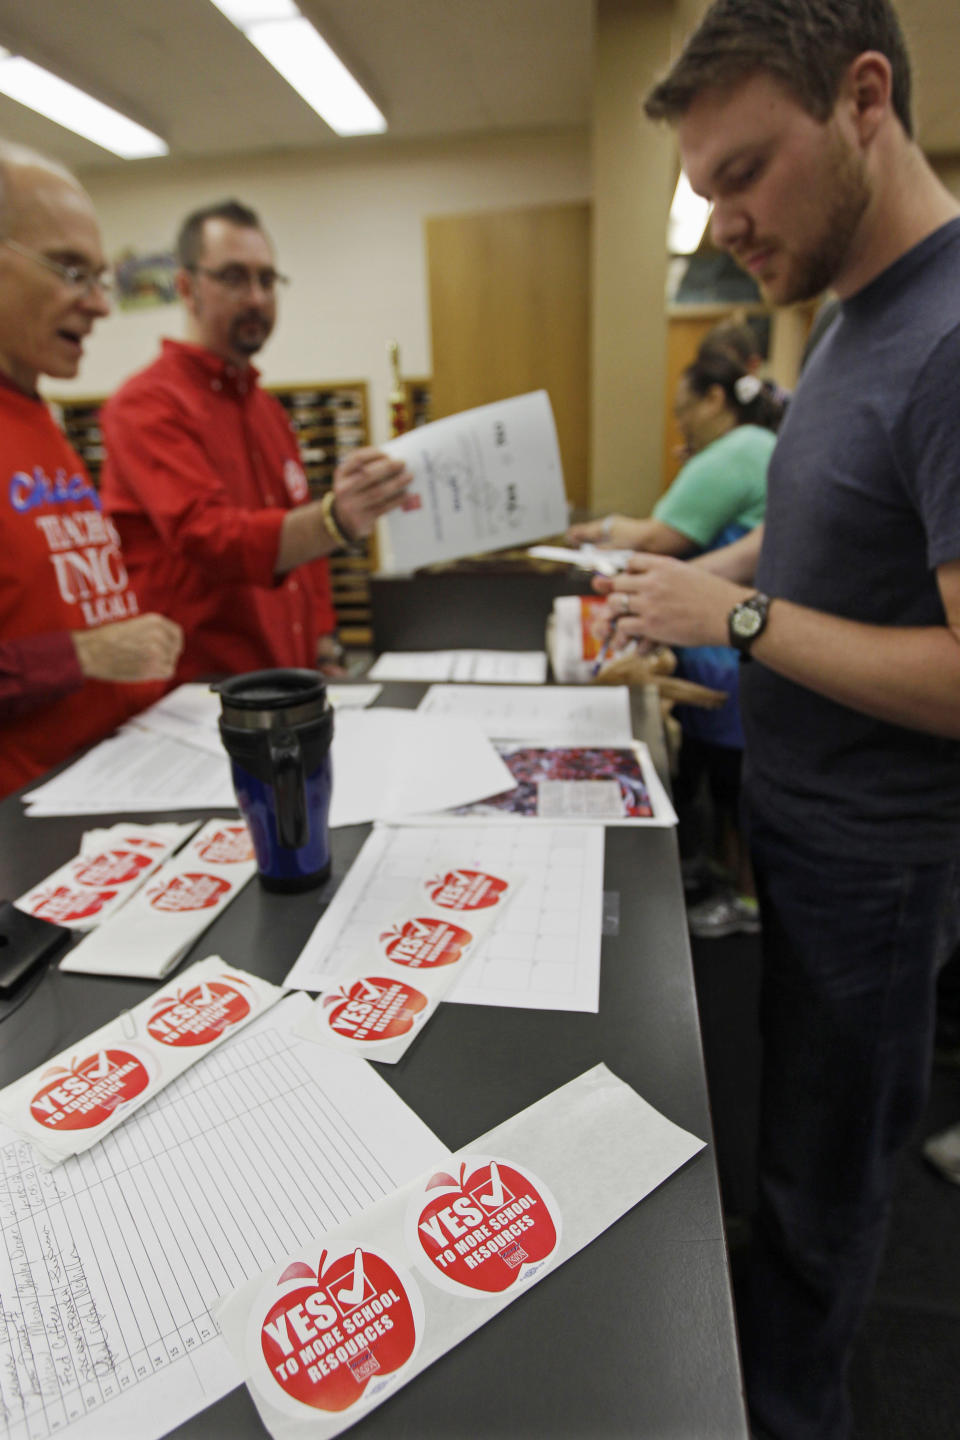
723 915
943 1153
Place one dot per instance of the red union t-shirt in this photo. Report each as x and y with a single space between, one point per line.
61 569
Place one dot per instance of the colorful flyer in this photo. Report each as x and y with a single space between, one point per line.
175 906
334 1329
111 866
401 972
66 1105
570 785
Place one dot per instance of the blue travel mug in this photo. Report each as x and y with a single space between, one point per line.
276 726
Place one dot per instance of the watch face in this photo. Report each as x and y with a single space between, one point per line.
745 621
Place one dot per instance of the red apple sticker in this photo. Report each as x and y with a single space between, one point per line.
491 1227
373 1008
226 846
466 890
426 942
87 1094
332 1332
66 906
200 1015
188 891
111 867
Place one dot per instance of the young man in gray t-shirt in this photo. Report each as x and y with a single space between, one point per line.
793 117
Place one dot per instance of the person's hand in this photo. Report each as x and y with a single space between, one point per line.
330 658
367 485
613 531
130 651
660 599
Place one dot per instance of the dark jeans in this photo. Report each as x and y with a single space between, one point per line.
847 1005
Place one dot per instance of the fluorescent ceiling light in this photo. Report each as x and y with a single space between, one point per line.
67 106
689 214
304 59
247 12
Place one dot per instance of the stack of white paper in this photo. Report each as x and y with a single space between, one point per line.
386 763
502 666
390 763
548 715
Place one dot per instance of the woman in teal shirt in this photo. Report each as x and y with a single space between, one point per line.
728 421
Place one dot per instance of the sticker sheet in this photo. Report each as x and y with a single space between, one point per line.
112 865
166 916
339 1325
71 1102
542 952
401 972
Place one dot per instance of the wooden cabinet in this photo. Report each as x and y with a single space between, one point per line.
329 419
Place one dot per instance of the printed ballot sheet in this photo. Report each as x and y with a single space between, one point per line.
554 715
482 480
111 1264
542 953
137 771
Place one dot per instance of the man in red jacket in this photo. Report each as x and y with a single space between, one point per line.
203 476
76 655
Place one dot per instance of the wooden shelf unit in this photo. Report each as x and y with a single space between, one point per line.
417 395
329 418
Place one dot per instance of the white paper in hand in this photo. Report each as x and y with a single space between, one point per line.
482 480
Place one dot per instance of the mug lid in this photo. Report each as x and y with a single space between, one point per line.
272 689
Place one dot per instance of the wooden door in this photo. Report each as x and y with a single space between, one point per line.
509 313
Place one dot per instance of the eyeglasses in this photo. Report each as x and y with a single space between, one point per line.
237 278
79 277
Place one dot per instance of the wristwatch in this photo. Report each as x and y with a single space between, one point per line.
746 621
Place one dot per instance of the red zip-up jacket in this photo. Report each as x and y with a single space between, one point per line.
201 468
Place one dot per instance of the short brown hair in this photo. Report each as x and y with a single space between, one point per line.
804 44
190 238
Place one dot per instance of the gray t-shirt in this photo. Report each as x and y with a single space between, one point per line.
863 505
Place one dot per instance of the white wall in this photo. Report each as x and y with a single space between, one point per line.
348 229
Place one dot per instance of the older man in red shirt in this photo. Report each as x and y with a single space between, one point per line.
203 477
77 656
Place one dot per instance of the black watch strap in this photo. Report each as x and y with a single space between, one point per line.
746 621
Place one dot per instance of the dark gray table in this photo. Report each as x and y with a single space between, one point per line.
632 1337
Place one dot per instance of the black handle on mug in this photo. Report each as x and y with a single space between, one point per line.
287 761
